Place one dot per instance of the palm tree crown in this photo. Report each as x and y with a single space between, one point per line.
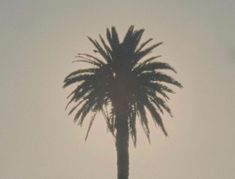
124 84
121 78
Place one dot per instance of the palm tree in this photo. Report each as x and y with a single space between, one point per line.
122 85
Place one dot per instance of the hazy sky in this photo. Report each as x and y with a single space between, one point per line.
38 41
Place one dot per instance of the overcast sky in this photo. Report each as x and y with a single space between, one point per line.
38 41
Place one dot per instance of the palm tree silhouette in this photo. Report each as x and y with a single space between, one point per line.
122 85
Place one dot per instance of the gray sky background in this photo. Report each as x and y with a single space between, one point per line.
38 41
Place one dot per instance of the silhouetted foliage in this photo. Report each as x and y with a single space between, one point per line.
123 85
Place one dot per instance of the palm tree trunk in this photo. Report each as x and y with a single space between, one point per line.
120 104
122 144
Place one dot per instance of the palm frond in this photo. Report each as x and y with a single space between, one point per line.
156 66
112 38
107 48
157 86
146 61
143 119
71 80
80 97
97 60
76 79
132 123
143 45
100 50
87 71
159 102
140 54
115 39
109 120
155 115
166 79
132 39
90 124
90 104
83 108
128 34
